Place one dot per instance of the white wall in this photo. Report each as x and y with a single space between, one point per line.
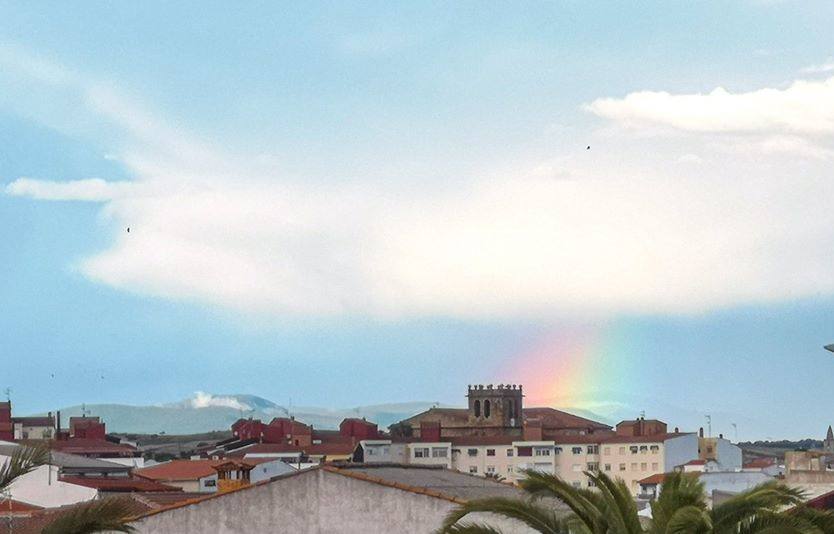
311 503
679 450
137 462
42 488
268 470
728 455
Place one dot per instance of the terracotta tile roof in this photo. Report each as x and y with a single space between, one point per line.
760 463
265 448
17 507
84 446
463 441
576 439
179 470
552 417
119 484
655 438
333 448
34 421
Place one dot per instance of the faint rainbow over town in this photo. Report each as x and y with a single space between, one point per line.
578 366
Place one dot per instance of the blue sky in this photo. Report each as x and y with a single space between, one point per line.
347 204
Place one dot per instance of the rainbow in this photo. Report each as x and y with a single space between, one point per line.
576 366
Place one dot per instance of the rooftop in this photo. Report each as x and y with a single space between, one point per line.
119 484
180 470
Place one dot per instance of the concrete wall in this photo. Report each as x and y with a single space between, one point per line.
268 470
680 450
312 502
727 454
732 482
42 488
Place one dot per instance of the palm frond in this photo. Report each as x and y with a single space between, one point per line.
678 492
687 520
770 496
823 520
768 522
621 508
471 528
537 517
22 461
584 503
107 515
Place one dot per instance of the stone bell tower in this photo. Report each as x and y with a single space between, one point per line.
495 406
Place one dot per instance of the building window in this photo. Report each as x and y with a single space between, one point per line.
634 449
634 466
654 466
473 469
593 449
477 406
210 483
576 450
622 467
509 469
593 467
509 453
421 452
622 450
608 467
591 483
643 466
606 450
486 409
490 452
654 449
490 469
472 452
644 448
557 450
576 468
439 452
542 451
525 451
371 451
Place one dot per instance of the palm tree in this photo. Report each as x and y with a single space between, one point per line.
95 516
107 515
681 508
22 461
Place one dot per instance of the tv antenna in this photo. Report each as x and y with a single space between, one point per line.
8 392
735 430
709 425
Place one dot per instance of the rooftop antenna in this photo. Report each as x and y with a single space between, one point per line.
735 430
709 425
8 392
84 410
642 414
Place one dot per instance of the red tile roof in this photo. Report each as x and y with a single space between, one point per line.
180 470
17 507
84 446
760 463
655 438
696 462
462 441
658 478
121 484
553 418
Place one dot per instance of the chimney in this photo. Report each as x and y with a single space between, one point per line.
701 432
57 422
720 436
677 430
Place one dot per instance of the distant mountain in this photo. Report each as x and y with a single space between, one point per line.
206 412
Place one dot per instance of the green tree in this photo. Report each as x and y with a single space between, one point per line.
681 508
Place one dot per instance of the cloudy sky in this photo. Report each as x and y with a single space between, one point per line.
349 204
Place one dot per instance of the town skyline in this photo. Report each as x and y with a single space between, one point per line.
621 208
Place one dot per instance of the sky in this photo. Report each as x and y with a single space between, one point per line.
624 207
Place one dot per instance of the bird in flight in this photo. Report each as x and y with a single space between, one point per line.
588 147
128 228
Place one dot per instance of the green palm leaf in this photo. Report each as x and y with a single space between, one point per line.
22 461
537 517
107 515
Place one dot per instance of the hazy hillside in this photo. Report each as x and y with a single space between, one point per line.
206 412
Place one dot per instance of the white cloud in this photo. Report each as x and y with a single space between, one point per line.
206 400
602 233
805 107
820 68
92 190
